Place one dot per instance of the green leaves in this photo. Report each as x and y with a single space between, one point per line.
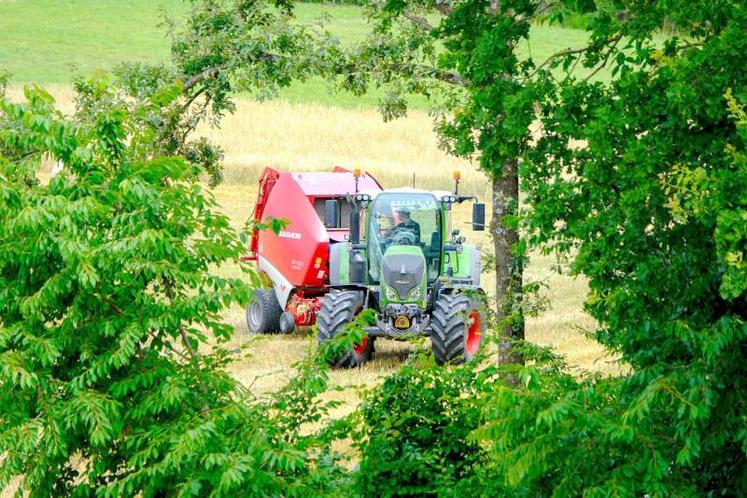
110 312
651 196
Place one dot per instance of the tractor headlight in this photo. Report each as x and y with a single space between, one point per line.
414 294
391 295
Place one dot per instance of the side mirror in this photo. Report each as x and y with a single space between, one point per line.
478 217
332 213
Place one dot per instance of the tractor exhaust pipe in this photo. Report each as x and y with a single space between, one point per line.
357 265
357 262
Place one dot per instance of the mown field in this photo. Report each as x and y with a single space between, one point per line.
306 128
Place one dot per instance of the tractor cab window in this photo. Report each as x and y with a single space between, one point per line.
397 219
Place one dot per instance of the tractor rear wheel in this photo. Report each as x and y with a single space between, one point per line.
338 310
457 328
263 313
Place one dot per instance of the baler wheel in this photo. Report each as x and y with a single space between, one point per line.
457 328
263 313
338 310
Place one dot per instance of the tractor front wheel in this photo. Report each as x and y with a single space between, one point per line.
338 310
263 313
457 328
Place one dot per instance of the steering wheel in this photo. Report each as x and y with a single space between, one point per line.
403 238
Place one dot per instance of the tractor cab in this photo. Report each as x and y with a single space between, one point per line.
404 229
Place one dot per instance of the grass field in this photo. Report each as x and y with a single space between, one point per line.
47 41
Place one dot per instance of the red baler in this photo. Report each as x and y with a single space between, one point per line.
296 260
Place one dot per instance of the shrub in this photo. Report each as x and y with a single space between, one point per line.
413 432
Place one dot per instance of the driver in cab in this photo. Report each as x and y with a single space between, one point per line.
406 224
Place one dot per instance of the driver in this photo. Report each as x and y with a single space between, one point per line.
406 223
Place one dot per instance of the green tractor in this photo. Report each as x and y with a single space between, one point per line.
412 269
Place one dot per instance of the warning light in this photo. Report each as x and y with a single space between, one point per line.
457 175
357 172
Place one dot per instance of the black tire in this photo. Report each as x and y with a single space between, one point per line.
263 312
338 310
457 328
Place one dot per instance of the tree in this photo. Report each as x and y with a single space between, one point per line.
652 198
640 183
463 56
222 47
109 308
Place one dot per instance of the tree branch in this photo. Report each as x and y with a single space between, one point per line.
444 7
192 353
606 57
614 41
420 21
433 72
440 74
208 73
554 56
117 311
212 72
168 346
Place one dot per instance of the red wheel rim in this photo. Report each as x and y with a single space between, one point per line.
473 332
360 348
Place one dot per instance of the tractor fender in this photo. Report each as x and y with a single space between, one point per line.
339 261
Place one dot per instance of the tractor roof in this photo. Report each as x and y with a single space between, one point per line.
334 183
410 190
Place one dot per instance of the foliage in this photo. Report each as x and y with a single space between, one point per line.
111 364
649 196
640 183
413 432
109 302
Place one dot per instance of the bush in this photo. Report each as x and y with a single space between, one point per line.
413 432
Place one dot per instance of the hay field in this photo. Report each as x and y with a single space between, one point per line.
305 137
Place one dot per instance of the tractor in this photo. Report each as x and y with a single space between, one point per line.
404 261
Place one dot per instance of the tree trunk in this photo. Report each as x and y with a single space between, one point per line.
508 268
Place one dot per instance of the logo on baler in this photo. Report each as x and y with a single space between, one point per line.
289 235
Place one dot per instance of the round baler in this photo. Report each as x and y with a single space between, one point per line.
296 259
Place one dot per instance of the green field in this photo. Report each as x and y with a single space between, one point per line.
47 41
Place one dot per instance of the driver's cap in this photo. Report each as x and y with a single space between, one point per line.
403 209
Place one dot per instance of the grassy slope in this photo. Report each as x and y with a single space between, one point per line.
43 41
40 40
